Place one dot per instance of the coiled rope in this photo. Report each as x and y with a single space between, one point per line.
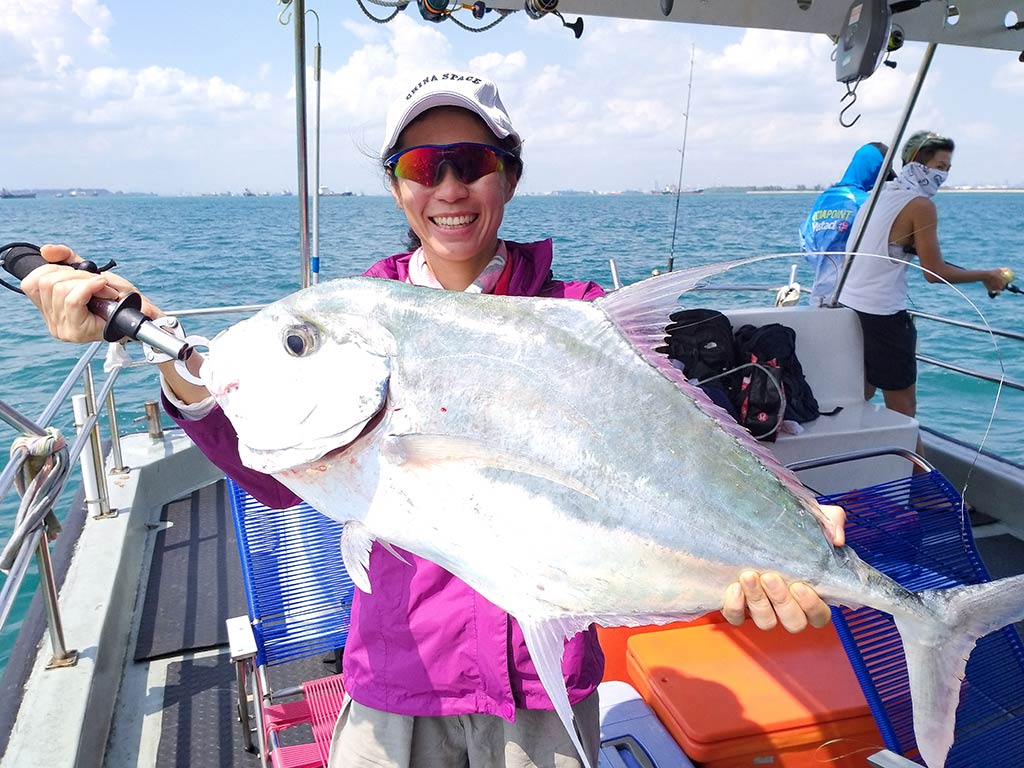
39 482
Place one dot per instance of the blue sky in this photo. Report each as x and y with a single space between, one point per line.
188 98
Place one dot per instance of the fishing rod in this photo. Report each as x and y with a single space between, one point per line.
124 316
1007 274
682 157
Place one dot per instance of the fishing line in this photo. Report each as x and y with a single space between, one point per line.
999 359
977 310
868 747
777 385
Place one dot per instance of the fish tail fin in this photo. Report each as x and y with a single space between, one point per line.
546 642
937 644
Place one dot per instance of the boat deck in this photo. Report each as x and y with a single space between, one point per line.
170 681
177 698
198 724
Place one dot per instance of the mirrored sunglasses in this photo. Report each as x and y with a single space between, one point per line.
470 162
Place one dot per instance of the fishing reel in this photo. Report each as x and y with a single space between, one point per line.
1010 285
435 10
535 9
439 10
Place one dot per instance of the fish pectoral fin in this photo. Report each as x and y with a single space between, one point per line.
356 541
426 449
545 639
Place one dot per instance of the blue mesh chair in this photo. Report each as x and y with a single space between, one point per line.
299 599
913 530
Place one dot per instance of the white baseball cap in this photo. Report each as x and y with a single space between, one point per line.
448 89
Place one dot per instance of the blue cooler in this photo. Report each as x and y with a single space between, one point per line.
631 734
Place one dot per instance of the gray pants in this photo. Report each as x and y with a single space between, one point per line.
365 737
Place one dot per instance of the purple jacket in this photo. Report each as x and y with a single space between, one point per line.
425 643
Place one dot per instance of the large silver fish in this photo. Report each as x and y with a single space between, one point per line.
542 451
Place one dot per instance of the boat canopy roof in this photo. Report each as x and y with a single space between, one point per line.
973 23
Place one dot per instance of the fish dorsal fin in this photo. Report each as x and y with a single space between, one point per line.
641 313
356 541
545 639
428 449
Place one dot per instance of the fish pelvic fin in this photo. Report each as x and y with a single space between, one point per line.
937 648
545 639
425 449
356 542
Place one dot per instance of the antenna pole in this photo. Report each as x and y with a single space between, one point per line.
682 157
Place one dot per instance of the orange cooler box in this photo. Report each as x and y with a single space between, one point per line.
738 697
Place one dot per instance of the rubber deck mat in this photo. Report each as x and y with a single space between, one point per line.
195 580
200 727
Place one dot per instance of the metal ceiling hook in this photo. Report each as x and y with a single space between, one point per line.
286 10
851 94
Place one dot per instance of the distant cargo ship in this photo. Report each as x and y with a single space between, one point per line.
6 193
326 191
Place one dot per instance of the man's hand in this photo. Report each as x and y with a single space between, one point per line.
996 280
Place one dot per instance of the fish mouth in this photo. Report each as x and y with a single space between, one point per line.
370 427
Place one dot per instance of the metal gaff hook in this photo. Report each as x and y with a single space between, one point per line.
317 17
851 94
286 10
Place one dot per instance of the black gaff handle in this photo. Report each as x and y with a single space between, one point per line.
123 317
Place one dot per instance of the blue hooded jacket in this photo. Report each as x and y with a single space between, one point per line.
827 226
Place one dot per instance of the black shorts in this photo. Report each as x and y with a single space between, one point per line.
890 348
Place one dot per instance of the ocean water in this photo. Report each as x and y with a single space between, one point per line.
218 251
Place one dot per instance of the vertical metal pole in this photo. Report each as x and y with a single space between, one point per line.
61 657
96 444
118 467
915 91
153 426
315 260
299 19
616 283
93 481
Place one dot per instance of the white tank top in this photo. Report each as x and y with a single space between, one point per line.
873 285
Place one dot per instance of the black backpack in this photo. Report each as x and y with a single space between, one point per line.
760 398
776 343
702 341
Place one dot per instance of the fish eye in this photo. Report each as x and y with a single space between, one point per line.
301 340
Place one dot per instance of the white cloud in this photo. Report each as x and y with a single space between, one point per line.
499 66
107 83
605 111
94 14
98 39
52 29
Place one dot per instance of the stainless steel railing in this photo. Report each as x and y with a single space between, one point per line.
38 539
974 327
971 372
85 447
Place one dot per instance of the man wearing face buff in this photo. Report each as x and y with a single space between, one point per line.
437 676
904 224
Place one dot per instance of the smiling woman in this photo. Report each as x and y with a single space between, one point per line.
453 159
429 661
454 217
